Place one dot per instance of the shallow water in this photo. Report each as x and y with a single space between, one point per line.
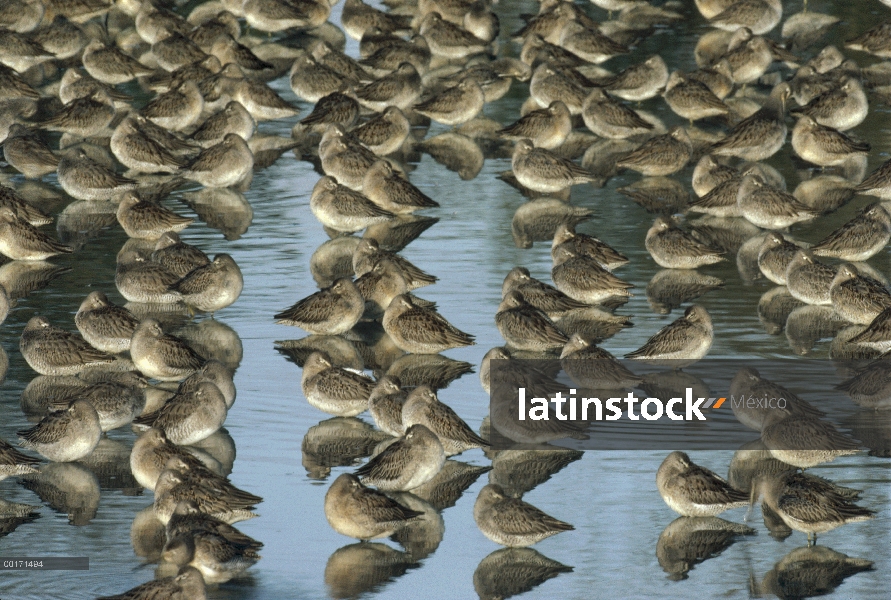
610 497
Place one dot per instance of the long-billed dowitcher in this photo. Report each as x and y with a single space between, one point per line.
807 504
14 463
346 160
261 101
589 44
541 170
640 81
385 405
189 417
360 512
343 209
692 99
860 238
841 108
721 200
226 164
809 280
694 491
381 285
857 298
176 109
609 118
683 341
768 207
162 356
804 440
53 351
673 248
761 135
421 330
147 220
177 256
104 325
338 107
85 179
187 516
422 407
218 559
401 89
189 583
28 154
877 334
65 435
369 252
83 117
758 15
173 50
591 367
407 463
526 327
19 240
330 311
547 127
392 192
139 280
542 296
234 118
824 146
660 155
150 454
512 522
385 133
183 479
335 390
586 245
448 40
455 105
137 150
116 402
775 255
109 65
582 278
213 286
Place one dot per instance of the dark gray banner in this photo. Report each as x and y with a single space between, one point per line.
45 563
788 406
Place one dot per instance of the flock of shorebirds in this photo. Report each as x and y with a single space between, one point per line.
62 65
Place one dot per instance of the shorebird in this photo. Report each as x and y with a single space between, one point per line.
775 255
448 40
53 351
541 170
151 452
591 367
384 133
407 463
877 334
809 280
66 435
586 245
14 463
611 119
233 118
761 135
368 253
841 108
330 311
803 440
806 504
640 81
363 513
83 178
182 480
392 192
106 326
137 150
760 16
218 559
177 256
673 248
162 356
111 66
423 407
824 146
189 583
421 330
768 207
542 296
211 287
584 279
660 155
189 416
28 154
526 327
859 239
694 491
385 405
19 240
549 82
400 88
333 389
681 342
857 298
691 99
455 105
139 280
749 381
342 209
147 220
226 164
512 522
546 128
